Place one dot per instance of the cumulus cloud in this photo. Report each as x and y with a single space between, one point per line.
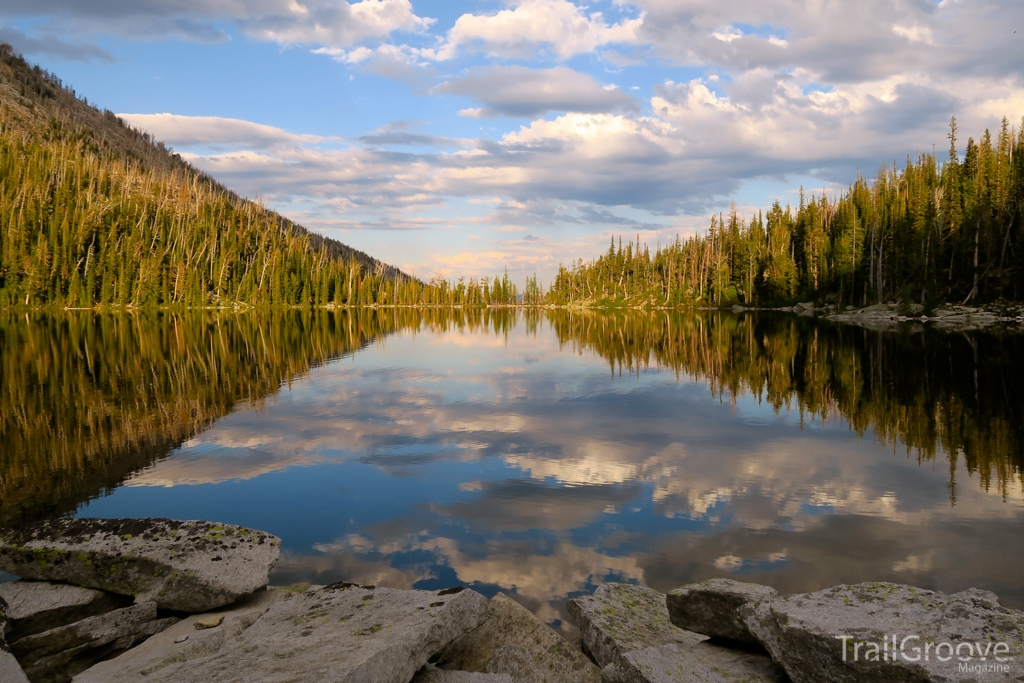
331 23
558 26
214 131
838 42
518 91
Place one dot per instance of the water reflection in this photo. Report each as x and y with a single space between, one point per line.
540 454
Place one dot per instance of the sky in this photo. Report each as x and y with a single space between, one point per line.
464 137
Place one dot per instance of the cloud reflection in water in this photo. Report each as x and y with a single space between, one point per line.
514 464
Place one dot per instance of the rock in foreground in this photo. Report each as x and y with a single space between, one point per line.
37 606
56 655
619 618
10 670
442 676
337 633
186 566
628 632
712 608
511 640
889 632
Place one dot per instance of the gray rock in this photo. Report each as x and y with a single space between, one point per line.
442 676
511 640
663 664
186 566
626 628
702 662
60 653
182 642
337 633
712 607
10 670
809 633
37 606
619 618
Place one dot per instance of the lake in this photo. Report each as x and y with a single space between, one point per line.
539 453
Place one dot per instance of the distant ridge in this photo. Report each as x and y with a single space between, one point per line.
73 176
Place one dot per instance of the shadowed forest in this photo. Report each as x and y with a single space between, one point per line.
88 399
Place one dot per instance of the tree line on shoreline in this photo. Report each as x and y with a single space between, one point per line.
929 233
97 214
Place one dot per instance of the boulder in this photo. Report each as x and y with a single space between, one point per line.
442 676
341 632
10 670
511 640
662 664
890 632
182 642
60 653
619 618
37 606
185 566
627 628
712 607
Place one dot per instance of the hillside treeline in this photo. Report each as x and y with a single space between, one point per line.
94 213
931 232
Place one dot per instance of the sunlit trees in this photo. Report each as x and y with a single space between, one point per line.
928 233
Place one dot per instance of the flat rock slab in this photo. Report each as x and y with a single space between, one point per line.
700 663
60 653
442 676
37 606
809 634
10 670
186 566
619 618
628 631
336 633
663 664
712 607
182 642
511 640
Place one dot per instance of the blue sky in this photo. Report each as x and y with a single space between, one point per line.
457 138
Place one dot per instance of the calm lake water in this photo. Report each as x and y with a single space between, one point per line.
539 453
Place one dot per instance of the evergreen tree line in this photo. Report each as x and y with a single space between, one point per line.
95 213
931 232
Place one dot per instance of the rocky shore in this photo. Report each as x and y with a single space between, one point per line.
112 601
892 315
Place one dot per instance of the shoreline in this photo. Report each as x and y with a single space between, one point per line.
124 600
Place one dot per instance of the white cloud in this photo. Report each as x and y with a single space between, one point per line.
214 131
336 23
331 23
559 26
521 92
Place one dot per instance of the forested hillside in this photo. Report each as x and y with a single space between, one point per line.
931 232
94 212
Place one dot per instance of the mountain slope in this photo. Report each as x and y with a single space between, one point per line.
94 212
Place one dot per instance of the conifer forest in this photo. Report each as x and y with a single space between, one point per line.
95 213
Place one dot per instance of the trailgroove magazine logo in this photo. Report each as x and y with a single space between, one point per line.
970 656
